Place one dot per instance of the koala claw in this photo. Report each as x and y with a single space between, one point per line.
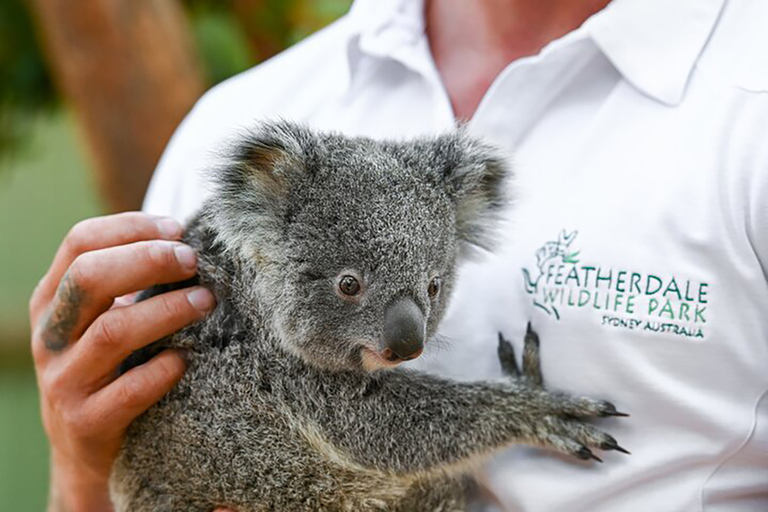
563 427
611 444
610 410
586 454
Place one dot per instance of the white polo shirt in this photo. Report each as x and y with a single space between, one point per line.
638 246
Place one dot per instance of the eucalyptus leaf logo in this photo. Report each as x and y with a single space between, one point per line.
655 302
554 252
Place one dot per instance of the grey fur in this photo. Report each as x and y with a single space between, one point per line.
279 409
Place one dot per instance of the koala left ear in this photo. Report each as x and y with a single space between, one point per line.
267 160
255 181
476 179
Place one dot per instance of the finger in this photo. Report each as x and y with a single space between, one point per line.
99 233
115 406
119 332
97 277
531 360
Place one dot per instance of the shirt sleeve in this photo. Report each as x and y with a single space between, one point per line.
179 184
163 194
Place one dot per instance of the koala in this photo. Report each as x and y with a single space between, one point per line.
332 260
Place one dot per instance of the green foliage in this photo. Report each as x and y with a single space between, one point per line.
316 15
221 42
23 448
25 85
42 194
231 36
23 76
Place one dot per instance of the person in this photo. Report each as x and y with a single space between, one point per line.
637 245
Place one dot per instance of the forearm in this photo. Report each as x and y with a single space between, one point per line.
413 423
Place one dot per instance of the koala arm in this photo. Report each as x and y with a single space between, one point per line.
412 423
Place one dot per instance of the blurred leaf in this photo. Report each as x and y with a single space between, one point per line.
270 26
25 85
309 16
222 43
23 75
231 35
23 447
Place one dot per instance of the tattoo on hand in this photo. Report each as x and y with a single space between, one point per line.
63 316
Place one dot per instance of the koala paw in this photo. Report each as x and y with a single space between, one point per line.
561 422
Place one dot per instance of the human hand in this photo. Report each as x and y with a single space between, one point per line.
82 331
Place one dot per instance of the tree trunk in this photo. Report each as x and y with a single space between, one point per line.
129 70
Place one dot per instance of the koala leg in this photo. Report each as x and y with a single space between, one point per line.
409 423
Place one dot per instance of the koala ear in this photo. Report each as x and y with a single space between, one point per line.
476 178
267 160
254 183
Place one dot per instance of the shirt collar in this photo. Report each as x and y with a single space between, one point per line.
382 28
654 44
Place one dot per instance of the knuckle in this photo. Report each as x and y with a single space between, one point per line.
159 254
79 237
130 217
81 272
49 381
148 385
109 331
173 306
54 382
76 421
39 351
36 300
131 390
136 222
167 369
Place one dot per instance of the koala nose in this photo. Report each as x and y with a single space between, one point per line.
404 327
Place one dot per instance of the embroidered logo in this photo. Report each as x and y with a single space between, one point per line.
624 298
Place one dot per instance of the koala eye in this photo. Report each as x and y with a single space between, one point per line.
434 286
348 285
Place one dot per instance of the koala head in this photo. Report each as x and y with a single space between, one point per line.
349 246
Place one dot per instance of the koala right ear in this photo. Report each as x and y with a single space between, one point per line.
254 183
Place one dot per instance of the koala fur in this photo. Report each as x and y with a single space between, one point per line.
289 402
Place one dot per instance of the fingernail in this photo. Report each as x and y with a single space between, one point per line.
169 228
201 299
186 256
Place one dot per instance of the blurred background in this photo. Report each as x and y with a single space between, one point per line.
89 96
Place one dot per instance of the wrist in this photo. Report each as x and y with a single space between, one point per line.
76 488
